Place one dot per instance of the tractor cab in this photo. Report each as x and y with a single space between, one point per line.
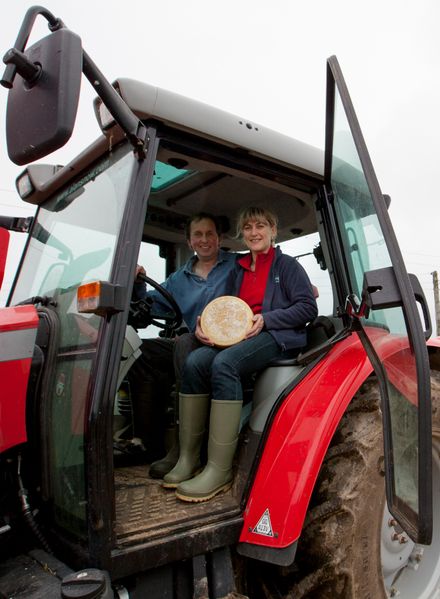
69 261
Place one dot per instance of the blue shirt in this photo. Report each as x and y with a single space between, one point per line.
192 292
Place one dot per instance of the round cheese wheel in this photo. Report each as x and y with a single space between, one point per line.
226 320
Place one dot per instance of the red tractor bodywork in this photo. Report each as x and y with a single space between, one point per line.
302 431
18 330
297 443
4 244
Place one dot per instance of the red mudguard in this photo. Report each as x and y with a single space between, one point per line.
18 330
434 342
301 433
297 443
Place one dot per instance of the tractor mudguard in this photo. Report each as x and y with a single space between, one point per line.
434 343
18 330
298 440
296 445
434 352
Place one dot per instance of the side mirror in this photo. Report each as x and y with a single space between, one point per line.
4 244
43 101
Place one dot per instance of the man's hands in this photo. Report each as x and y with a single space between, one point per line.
201 335
140 270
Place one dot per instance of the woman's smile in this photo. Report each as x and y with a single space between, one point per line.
258 235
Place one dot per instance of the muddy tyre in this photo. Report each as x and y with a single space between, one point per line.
350 547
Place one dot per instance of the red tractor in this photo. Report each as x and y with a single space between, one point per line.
336 478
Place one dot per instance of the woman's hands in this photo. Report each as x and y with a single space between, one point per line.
257 327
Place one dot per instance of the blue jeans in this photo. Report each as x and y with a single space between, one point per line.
219 371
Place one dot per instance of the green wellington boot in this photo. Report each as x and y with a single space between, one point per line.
223 438
159 468
193 414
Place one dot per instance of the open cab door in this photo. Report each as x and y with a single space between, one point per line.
379 297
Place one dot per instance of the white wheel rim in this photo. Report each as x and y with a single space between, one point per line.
412 571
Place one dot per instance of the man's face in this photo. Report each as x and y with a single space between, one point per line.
204 239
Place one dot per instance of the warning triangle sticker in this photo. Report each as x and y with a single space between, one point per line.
264 525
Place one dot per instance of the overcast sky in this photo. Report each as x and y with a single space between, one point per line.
265 60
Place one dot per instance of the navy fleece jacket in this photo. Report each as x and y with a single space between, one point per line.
288 303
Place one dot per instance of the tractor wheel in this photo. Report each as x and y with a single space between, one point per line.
350 547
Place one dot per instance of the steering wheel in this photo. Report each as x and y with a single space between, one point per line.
141 312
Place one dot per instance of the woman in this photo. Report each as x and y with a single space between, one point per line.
277 289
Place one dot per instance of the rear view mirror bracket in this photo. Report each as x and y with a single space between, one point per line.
28 70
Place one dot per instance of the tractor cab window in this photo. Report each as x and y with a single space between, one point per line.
155 266
362 235
307 251
366 250
73 241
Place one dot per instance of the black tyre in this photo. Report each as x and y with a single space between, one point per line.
350 547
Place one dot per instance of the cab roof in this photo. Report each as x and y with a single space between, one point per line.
151 102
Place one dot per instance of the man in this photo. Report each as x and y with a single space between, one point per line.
193 286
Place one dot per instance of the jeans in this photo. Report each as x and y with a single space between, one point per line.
218 371
151 380
183 345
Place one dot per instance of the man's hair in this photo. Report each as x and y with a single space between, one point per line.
253 213
195 218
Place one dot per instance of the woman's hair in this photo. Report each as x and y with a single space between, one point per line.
253 213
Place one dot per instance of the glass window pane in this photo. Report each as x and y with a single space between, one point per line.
155 266
365 250
73 242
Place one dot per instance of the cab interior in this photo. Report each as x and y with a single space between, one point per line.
184 184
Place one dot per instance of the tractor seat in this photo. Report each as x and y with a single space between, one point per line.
280 373
319 332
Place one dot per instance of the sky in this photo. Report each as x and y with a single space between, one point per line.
266 61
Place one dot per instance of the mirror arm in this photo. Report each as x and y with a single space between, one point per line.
21 41
123 115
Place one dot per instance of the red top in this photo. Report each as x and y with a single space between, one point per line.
254 282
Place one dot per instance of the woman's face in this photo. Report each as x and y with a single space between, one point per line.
258 235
